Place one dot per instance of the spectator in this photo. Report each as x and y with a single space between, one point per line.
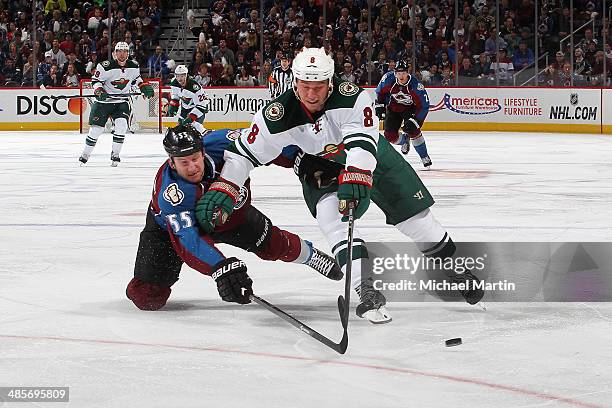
157 64
92 63
244 78
54 79
503 68
597 70
203 77
55 5
44 67
483 66
347 72
224 54
523 57
78 65
67 46
71 78
467 70
264 75
57 55
581 67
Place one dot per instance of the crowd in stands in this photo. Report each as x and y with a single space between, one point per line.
442 46
444 49
72 37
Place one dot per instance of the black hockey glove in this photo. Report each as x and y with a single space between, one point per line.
412 127
381 111
233 283
316 171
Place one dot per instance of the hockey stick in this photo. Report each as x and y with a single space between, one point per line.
93 96
343 301
339 347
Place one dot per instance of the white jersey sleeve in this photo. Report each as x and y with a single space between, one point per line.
175 92
359 128
255 147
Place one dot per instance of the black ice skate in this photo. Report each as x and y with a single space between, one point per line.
115 160
372 306
83 159
426 162
472 294
325 265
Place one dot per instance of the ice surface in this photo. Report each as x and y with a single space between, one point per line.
68 240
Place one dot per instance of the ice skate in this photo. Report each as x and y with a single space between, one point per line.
324 264
83 159
406 147
472 294
115 160
426 162
372 306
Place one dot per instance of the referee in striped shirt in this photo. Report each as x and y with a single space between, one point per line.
281 78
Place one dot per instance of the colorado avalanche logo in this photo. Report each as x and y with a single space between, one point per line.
274 111
173 194
244 194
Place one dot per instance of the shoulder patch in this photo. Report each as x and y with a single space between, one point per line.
173 194
420 87
274 112
244 195
196 87
232 135
348 89
106 64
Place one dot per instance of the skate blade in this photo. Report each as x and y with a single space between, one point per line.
378 316
114 164
481 305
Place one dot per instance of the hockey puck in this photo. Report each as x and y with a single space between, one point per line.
453 342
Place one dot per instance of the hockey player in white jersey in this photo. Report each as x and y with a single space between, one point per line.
112 83
187 94
342 161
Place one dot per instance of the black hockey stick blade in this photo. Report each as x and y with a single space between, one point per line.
338 347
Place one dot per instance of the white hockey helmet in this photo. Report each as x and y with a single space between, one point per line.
122 46
313 64
181 70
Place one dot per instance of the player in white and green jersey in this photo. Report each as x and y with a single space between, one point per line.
112 84
343 163
187 94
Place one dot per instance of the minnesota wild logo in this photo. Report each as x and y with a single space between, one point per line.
348 89
186 100
120 83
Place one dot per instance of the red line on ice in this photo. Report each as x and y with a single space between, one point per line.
499 387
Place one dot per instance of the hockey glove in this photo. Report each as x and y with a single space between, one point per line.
173 106
101 94
146 89
316 171
380 111
217 204
233 283
354 187
186 121
412 127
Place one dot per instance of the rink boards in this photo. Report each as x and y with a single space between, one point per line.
568 110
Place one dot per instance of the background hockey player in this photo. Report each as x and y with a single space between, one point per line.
190 97
281 78
112 83
335 120
171 235
401 98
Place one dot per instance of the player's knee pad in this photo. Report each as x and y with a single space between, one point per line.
147 296
94 132
392 136
121 126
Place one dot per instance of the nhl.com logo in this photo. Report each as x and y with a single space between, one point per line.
467 105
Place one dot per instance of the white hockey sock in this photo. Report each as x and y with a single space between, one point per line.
92 139
117 144
424 229
336 233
